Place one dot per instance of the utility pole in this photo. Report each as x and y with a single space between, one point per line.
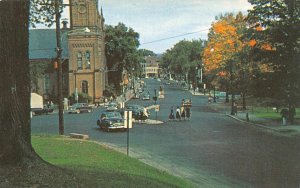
58 4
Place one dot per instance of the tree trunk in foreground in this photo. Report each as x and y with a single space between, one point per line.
15 131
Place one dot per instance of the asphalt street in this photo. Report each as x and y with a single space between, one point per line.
210 149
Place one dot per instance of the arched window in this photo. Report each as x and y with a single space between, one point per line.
79 61
85 86
87 60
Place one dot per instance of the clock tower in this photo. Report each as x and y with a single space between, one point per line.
87 62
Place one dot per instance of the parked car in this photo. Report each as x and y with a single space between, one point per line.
146 97
112 106
41 111
111 120
78 108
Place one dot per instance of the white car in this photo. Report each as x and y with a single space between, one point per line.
78 108
112 106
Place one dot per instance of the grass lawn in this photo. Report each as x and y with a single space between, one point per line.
267 112
102 166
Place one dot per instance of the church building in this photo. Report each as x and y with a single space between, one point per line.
83 56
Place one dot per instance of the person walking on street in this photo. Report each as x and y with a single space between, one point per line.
171 116
188 112
284 114
182 111
178 113
292 113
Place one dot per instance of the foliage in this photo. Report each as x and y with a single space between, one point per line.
278 45
37 71
221 54
43 11
121 45
183 58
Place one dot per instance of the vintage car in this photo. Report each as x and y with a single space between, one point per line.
112 106
41 111
111 120
78 108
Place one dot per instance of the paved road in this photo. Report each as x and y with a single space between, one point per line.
211 149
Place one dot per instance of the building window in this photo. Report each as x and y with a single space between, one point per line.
87 60
85 86
79 61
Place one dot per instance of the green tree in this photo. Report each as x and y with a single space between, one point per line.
121 45
276 30
183 58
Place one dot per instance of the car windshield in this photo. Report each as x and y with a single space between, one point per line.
112 115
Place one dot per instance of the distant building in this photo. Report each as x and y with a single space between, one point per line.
151 67
83 56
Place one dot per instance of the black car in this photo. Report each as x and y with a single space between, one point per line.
41 111
111 120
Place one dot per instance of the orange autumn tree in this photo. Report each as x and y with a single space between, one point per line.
224 43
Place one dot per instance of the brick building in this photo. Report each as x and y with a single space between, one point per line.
83 56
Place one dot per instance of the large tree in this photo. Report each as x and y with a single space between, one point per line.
121 43
15 133
184 58
276 26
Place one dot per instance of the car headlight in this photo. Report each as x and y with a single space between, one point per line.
110 122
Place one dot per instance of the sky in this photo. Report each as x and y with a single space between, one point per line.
155 20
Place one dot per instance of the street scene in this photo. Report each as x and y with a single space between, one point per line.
209 149
150 93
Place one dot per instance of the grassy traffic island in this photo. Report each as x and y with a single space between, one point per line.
77 163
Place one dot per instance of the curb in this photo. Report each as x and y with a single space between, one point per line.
251 123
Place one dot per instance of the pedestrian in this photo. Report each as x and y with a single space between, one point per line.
188 112
141 116
182 113
209 99
292 113
234 108
178 113
284 114
145 114
171 116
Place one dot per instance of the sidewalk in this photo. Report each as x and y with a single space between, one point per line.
266 123
270 124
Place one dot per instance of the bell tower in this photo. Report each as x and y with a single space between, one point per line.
87 60
85 13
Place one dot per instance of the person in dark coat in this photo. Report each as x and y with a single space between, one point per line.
284 114
188 112
292 113
171 116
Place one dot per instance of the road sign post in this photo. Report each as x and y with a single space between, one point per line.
128 125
